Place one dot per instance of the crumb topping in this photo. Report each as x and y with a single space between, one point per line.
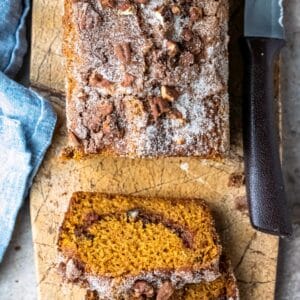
167 58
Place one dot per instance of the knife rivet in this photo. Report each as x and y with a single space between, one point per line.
262 54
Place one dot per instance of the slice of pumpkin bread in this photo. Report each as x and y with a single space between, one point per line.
115 244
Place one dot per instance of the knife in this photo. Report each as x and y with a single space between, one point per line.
264 35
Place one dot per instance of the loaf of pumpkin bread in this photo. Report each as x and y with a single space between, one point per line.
147 78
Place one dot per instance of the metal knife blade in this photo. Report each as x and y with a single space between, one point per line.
264 18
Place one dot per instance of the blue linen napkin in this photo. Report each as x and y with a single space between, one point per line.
27 121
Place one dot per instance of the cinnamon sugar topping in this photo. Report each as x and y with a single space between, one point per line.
174 53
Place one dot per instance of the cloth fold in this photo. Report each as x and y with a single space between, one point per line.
27 121
13 44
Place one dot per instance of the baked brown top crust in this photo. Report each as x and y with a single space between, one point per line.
147 77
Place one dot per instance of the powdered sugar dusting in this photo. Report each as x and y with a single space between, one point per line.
179 24
149 11
102 286
200 126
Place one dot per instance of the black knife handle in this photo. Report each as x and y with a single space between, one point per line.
265 188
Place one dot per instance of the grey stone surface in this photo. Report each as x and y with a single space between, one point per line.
17 272
288 281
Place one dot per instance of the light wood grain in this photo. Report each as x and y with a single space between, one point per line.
253 254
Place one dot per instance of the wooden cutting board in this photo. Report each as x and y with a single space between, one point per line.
253 254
